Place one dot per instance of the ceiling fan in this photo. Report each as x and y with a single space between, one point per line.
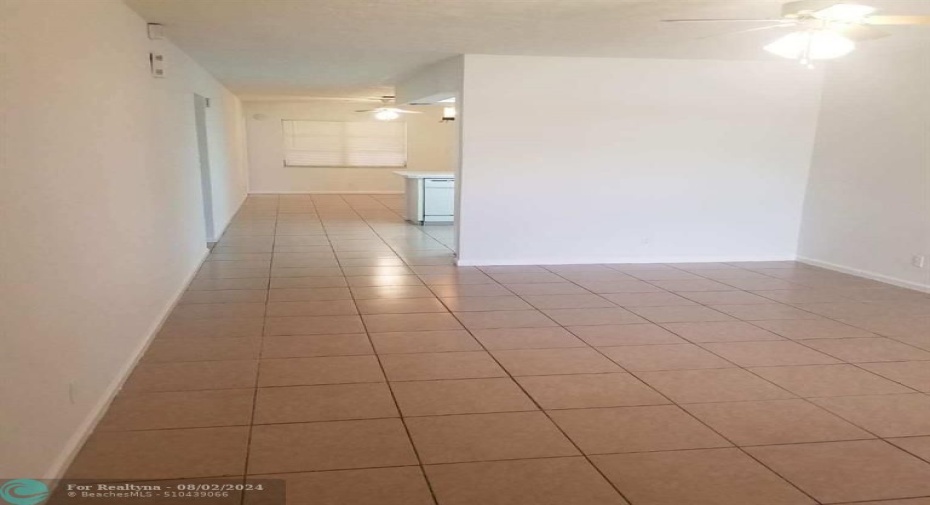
385 113
824 29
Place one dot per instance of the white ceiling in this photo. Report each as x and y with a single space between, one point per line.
361 47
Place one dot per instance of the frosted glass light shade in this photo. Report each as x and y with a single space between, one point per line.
811 45
386 115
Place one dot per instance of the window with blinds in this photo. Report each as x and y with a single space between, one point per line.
345 144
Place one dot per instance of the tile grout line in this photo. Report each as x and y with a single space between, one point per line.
387 382
679 407
510 376
735 445
546 414
750 455
258 367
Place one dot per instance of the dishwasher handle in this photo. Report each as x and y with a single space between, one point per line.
440 183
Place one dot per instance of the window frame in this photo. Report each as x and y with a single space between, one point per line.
287 141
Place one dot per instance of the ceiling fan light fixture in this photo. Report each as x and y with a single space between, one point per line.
386 115
809 45
845 13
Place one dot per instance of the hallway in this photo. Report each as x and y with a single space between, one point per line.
328 343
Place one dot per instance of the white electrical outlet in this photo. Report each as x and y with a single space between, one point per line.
919 261
72 393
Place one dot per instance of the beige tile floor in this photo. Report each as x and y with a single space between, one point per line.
328 343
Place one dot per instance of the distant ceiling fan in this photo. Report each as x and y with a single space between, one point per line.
825 29
385 113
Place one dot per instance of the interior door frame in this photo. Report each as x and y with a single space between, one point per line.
201 104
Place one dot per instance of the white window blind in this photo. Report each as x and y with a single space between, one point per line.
345 144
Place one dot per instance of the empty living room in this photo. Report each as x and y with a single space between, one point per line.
465 252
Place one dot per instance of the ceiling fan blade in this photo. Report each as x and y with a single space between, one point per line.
777 20
797 7
859 33
391 109
898 20
399 111
759 29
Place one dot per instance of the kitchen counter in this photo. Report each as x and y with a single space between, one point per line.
430 196
409 174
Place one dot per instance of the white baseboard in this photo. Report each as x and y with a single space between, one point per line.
560 260
866 273
74 444
326 192
67 455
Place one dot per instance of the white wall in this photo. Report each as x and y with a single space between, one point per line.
868 203
429 147
101 211
584 160
431 82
